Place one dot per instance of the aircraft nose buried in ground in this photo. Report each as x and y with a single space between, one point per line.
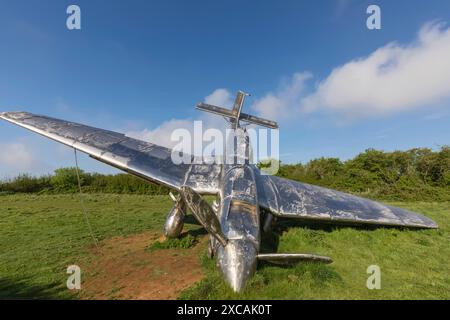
242 192
237 262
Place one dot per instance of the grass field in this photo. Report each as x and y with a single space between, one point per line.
40 235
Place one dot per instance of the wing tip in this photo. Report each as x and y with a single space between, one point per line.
11 115
4 115
432 225
427 224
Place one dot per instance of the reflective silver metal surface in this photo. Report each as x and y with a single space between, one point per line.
175 219
291 258
203 212
292 199
234 220
239 217
140 158
235 115
237 262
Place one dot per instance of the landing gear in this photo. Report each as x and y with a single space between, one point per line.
175 218
212 247
212 241
268 223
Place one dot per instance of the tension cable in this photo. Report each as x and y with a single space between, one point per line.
82 200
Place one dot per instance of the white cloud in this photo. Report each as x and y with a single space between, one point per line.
18 158
162 134
15 155
37 155
394 78
279 105
220 97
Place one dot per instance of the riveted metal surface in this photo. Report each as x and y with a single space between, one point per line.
144 159
292 199
234 223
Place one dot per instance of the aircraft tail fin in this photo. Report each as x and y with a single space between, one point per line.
235 114
238 103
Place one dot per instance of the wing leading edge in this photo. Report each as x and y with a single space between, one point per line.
142 159
292 199
283 197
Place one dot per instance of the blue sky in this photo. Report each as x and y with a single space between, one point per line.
135 65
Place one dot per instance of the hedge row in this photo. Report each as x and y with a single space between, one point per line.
416 174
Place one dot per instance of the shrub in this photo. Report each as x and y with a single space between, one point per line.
416 174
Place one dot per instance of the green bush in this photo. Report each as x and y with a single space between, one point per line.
65 179
416 174
25 184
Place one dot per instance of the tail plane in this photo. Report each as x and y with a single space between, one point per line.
235 115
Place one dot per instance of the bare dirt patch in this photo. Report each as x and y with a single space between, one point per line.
121 268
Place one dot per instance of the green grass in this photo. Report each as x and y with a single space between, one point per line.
186 241
41 235
414 264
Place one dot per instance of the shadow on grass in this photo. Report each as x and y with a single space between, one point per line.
195 232
270 240
284 224
190 219
319 272
21 290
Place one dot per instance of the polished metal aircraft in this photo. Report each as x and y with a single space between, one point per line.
244 195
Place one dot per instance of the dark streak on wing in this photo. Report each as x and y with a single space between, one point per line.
140 158
291 258
292 199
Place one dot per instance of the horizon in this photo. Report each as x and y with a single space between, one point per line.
343 161
140 68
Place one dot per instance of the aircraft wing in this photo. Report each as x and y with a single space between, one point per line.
139 158
292 199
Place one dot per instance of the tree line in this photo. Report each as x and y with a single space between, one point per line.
65 180
416 174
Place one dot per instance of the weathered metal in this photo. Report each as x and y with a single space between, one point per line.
291 258
140 158
235 115
291 199
234 219
175 218
204 213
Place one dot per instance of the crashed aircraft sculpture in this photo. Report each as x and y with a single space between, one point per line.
234 221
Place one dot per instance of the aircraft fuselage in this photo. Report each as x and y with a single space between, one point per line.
239 219
239 216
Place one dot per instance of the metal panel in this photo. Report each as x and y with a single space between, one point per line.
140 158
292 199
291 258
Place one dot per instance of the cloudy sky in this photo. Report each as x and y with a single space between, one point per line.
139 67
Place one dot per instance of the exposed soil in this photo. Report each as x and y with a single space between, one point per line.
121 269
